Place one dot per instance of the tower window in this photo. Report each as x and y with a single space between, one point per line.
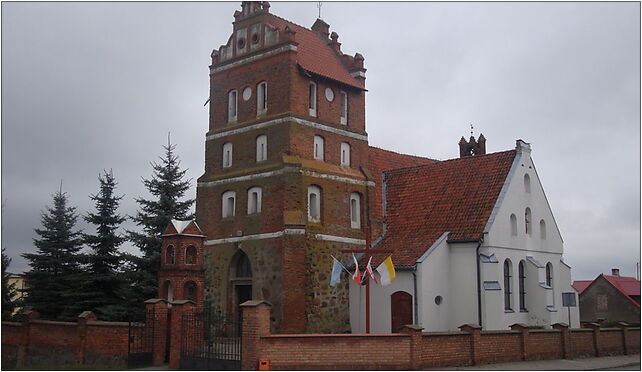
190 255
542 230
507 285
527 183
227 155
261 98
513 224
344 108
170 255
190 291
318 147
527 221
355 210
522 287
261 148
345 153
229 202
314 203
232 106
254 200
312 99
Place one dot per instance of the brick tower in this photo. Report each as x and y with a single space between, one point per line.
181 274
284 185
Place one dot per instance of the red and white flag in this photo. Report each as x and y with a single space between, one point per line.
357 275
369 271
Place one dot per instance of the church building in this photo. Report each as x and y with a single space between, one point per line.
290 181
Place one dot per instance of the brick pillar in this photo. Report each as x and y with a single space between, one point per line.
596 337
475 338
23 348
415 344
256 323
523 342
179 308
625 335
83 318
565 337
156 320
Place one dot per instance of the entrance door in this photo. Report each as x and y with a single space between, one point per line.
400 310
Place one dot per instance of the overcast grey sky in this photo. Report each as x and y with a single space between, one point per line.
93 86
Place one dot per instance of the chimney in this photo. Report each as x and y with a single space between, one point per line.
615 272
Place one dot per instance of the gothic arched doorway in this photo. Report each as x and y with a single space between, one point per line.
400 310
241 281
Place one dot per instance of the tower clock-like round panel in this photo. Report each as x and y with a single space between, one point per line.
329 94
247 93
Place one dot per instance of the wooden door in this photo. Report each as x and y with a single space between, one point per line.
400 310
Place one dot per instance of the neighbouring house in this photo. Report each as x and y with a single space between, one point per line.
18 283
609 298
473 240
290 180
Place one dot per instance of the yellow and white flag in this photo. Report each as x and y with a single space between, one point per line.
387 271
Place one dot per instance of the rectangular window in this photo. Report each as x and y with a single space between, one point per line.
344 108
312 99
232 107
261 98
230 207
318 148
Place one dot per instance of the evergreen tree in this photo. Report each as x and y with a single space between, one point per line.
102 292
8 290
167 187
53 280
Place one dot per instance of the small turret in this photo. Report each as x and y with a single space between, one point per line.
472 147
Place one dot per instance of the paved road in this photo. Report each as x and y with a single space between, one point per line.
634 367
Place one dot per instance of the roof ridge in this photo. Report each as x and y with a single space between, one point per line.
399 153
288 21
440 162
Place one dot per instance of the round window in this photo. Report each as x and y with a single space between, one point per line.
241 43
329 94
255 38
438 300
247 93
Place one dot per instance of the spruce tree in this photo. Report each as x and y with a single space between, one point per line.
8 290
167 188
103 289
52 282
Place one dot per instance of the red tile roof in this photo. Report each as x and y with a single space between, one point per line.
626 285
455 195
315 55
380 160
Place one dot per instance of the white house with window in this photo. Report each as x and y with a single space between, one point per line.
476 243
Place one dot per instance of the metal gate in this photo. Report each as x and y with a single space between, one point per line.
210 341
140 347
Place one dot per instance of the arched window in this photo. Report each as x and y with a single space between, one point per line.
549 274
261 148
227 154
345 153
242 266
228 202
527 183
170 255
232 106
261 98
312 99
542 229
190 291
190 255
355 210
522 286
527 221
318 147
314 203
254 196
513 224
344 107
508 274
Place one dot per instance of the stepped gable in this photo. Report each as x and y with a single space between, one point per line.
380 160
455 195
314 54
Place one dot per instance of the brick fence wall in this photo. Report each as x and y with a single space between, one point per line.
43 342
413 349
